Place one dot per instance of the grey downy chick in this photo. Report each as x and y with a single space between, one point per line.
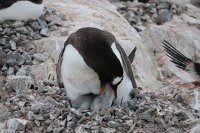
83 102
104 100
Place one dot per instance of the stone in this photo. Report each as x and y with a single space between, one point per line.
35 25
42 23
108 130
14 58
20 84
15 124
1 29
4 113
37 36
3 41
17 24
14 38
63 32
40 57
12 45
45 32
22 37
195 129
113 124
58 130
39 117
28 58
54 20
53 27
30 115
22 30
10 71
2 55
164 16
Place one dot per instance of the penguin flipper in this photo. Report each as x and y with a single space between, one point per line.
58 70
127 63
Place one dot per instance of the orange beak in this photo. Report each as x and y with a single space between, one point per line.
102 89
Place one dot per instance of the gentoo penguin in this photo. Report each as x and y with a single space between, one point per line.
180 60
20 9
90 61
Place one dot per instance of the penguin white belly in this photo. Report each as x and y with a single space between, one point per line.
78 77
21 10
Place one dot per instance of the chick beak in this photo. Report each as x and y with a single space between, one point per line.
102 89
114 91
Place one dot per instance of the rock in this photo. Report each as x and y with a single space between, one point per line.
54 20
164 16
42 23
113 124
4 113
14 58
22 30
40 57
39 117
2 55
10 71
63 32
37 36
12 44
108 130
1 29
14 38
195 129
17 24
28 58
20 84
30 115
35 25
3 41
53 27
17 124
58 130
45 32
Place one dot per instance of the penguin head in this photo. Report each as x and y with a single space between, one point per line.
114 84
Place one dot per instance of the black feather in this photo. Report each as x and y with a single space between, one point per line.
180 60
132 55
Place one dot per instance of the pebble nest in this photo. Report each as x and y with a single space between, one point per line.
45 108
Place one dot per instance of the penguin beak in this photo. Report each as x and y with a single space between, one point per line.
102 89
114 90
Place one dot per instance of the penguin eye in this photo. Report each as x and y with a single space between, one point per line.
116 81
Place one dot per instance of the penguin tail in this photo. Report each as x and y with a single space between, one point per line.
180 60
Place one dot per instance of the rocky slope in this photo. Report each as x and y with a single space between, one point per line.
30 100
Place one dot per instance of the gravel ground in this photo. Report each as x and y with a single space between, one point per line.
27 106
140 15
